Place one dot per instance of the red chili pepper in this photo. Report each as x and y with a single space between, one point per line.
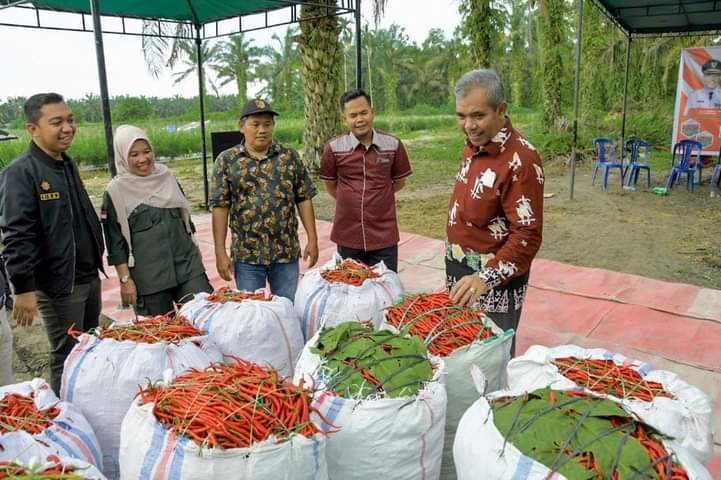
442 324
232 406
351 272
605 376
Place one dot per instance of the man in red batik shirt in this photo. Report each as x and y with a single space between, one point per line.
495 214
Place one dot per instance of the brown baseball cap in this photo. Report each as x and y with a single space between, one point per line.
256 106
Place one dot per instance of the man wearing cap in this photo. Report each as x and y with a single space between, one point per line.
255 189
710 95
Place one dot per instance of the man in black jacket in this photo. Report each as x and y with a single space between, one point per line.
52 235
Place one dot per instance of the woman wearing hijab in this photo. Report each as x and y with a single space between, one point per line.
148 232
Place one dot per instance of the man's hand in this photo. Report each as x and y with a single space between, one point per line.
310 254
129 292
467 290
224 266
25 307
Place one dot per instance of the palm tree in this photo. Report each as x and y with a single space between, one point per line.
188 57
552 37
236 61
160 53
347 41
483 23
518 50
320 55
391 58
280 71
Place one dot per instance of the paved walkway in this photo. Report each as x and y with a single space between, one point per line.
673 326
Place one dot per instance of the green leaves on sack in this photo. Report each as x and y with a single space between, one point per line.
360 362
581 437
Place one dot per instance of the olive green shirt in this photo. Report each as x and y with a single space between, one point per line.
165 255
262 195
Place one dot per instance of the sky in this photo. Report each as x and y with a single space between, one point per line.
35 60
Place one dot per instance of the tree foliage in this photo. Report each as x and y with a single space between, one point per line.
530 42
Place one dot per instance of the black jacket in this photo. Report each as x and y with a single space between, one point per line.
36 221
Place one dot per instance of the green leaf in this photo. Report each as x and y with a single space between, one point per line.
542 422
400 364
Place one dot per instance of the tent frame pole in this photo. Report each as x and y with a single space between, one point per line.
201 96
358 54
103 78
576 90
625 97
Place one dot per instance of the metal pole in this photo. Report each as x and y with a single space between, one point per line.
576 90
201 88
102 76
625 98
358 58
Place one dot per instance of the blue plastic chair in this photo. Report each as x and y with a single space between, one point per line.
716 175
682 162
606 160
638 161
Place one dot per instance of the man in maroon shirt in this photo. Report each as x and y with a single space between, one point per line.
495 214
362 170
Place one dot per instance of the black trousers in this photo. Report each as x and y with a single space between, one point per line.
502 304
160 303
80 309
389 256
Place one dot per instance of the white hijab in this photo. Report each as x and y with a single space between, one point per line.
127 191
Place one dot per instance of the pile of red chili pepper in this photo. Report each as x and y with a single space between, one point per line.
12 470
170 328
226 294
349 271
605 376
443 325
232 406
18 412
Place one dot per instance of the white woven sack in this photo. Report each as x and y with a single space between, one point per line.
102 377
318 302
688 418
479 450
491 355
70 434
19 455
263 332
384 438
150 450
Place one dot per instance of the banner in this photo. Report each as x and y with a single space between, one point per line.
698 98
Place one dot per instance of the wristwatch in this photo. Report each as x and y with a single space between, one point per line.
125 279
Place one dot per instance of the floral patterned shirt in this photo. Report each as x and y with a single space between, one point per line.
495 214
262 195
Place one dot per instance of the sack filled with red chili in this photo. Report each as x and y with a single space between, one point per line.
170 328
238 420
662 399
105 368
442 325
464 337
34 423
54 467
324 299
573 434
